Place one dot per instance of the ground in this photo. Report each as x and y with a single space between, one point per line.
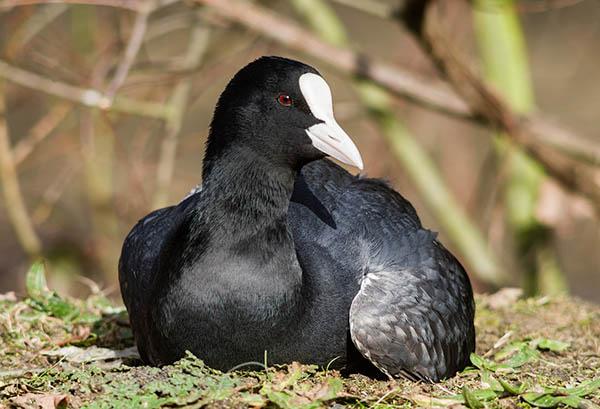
61 352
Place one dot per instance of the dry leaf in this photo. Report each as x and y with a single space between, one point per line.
80 333
9 296
504 298
39 401
81 355
551 205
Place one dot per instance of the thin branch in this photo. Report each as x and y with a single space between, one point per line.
84 96
13 198
170 71
40 131
374 7
545 5
198 44
97 152
426 92
133 47
167 24
38 21
545 132
134 5
54 191
381 9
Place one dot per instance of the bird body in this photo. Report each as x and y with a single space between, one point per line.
286 252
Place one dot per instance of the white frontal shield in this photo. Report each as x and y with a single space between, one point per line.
327 136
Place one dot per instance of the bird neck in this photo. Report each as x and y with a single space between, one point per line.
247 193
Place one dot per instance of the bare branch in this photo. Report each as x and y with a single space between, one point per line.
541 6
134 5
40 131
563 140
167 24
38 21
381 9
376 8
133 46
13 198
84 96
54 191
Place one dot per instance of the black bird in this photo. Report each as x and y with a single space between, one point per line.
281 250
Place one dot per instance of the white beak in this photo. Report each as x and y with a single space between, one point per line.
327 136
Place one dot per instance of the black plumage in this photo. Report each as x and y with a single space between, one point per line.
284 251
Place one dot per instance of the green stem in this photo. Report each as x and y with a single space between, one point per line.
504 57
417 163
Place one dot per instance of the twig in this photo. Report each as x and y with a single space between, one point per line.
543 131
376 8
431 94
133 46
31 80
40 131
84 96
13 198
171 72
54 191
167 24
198 44
544 5
97 150
381 9
34 25
17 373
134 5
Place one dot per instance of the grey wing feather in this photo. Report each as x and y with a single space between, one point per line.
416 321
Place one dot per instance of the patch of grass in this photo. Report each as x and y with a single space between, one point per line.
531 353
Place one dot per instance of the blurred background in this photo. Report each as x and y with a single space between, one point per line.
105 106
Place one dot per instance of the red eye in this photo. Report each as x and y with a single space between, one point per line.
285 100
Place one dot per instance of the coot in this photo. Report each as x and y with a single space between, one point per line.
283 251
